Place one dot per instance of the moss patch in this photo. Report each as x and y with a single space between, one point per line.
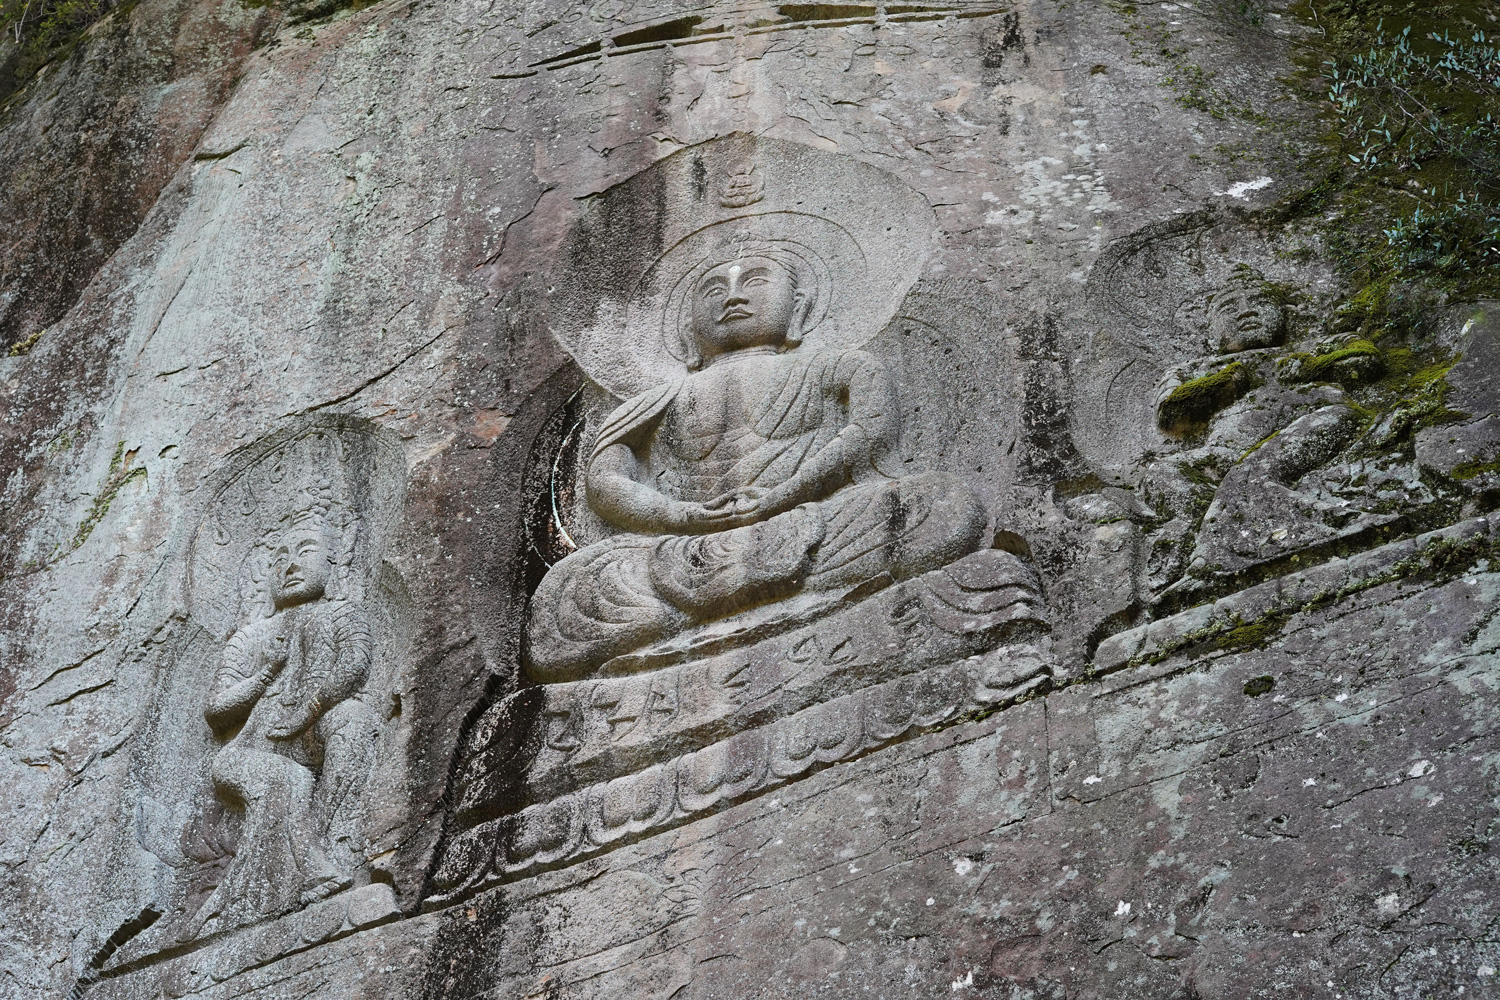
1251 635
119 474
1441 559
1474 469
1226 634
302 11
25 346
1357 362
1257 686
1160 45
44 31
1206 471
1191 404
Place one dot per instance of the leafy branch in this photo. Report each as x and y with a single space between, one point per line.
1415 104
36 31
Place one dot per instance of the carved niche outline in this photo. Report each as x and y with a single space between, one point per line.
282 573
747 655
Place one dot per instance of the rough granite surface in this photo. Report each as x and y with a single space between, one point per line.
1167 670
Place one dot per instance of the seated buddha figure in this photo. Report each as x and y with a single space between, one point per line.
748 481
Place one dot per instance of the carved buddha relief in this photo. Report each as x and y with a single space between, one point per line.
768 583
752 478
746 472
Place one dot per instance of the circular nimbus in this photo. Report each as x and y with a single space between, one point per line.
620 299
645 344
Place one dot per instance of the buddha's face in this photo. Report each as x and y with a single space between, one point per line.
750 302
300 566
1244 318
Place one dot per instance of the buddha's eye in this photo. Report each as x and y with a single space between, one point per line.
713 292
756 279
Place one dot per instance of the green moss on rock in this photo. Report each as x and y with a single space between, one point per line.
119 474
1252 635
1191 404
1355 362
1474 469
1257 686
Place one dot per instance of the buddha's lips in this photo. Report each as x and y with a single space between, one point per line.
735 313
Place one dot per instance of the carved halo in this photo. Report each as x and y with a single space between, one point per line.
342 470
621 299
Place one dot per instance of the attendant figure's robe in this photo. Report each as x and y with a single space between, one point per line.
301 837
633 589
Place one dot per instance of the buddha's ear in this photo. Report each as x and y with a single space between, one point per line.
687 348
802 302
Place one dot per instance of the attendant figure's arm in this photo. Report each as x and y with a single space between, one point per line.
241 680
340 668
871 430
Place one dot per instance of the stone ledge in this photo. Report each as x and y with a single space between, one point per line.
599 818
1212 624
196 964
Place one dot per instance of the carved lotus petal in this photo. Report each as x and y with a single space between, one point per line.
817 736
890 707
635 797
722 771
322 921
937 698
465 855
546 831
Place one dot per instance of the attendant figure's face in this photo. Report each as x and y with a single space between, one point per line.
1244 318
300 566
750 302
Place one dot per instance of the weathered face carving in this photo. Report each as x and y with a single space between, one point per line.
300 566
1243 318
750 302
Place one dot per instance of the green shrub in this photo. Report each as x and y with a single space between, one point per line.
37 31
1416 115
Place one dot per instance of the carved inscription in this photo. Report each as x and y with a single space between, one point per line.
655 749
585 822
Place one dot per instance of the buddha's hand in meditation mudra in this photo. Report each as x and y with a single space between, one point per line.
743 483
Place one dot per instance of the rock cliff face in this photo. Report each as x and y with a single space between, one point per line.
738 500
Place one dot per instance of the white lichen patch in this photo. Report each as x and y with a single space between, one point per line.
1243 189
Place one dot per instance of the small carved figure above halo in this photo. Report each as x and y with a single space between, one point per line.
742 186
